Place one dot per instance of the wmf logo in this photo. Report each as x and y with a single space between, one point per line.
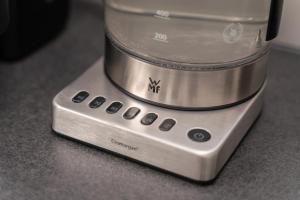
154 86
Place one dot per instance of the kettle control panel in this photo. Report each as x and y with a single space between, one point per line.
192 144
130 113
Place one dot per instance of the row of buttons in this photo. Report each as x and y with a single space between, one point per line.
130 114
197 135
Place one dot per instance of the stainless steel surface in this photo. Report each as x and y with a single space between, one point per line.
184 87
198 32
172 151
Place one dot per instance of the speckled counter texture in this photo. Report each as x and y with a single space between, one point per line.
35 163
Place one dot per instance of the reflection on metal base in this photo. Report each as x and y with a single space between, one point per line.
200 159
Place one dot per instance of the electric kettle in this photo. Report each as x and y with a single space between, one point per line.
191 54
197 57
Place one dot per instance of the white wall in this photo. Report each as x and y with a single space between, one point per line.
290 25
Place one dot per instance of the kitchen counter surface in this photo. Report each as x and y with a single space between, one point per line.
35 163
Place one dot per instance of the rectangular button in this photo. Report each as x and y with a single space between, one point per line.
114 107
131 113
167 125
80 97
97 102
149 119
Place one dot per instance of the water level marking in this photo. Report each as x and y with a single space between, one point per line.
162 14
160 37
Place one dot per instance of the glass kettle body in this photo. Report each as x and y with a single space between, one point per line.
191 54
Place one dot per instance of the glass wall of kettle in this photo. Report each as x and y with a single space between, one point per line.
199 32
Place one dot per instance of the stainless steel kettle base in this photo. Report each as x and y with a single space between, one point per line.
193 144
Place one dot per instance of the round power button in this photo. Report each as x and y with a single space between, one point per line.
199 135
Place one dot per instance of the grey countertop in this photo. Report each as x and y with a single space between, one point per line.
35 163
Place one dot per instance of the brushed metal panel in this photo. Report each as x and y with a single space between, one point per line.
172 151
